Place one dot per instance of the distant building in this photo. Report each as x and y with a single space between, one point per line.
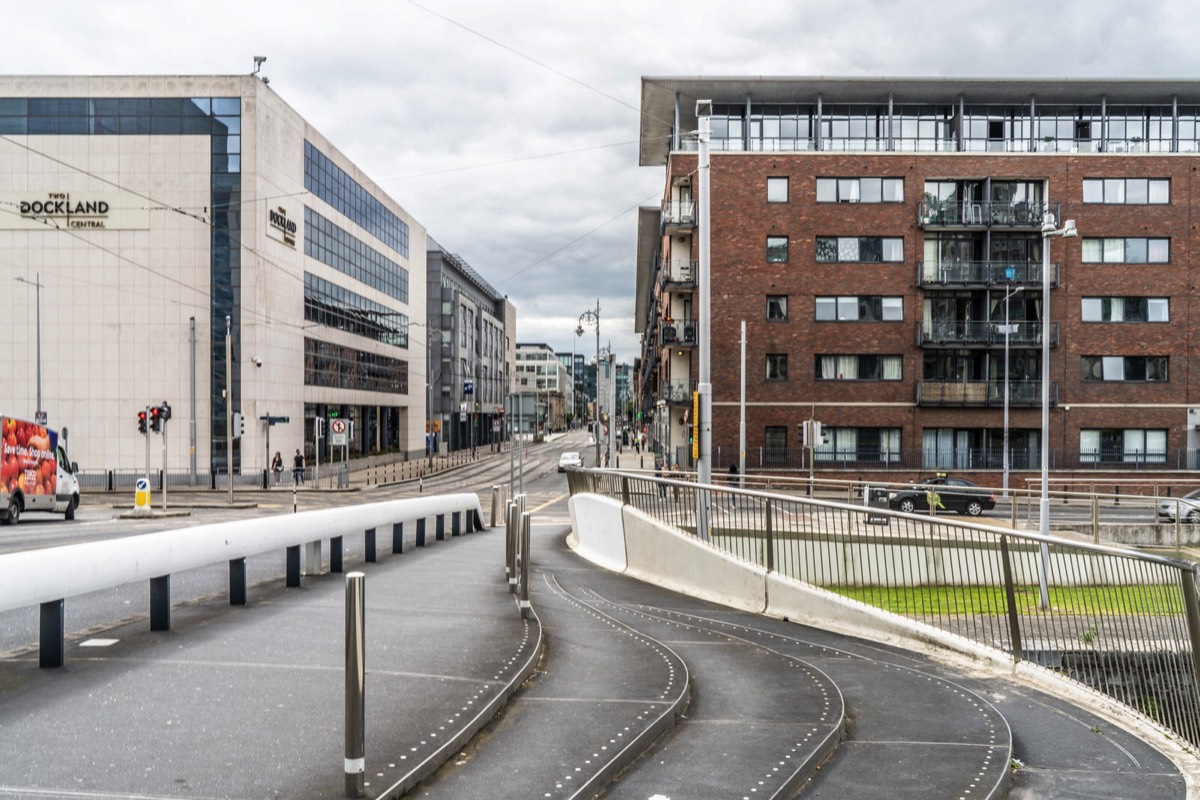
875 234
540 385
471 368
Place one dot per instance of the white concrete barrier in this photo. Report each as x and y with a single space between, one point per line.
596 522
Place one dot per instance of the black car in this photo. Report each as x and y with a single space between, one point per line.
945 494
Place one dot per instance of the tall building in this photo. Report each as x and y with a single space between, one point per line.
161 214
876 234
469 357
540 386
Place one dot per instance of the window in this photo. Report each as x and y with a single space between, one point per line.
858 368
866 249
777 249
860 190
1129 250
1126 309
775 444
1109 445
777 307
1129 191
861 309
859 444
777 190
776 366
1124 368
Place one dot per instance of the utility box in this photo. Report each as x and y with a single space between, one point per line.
876 497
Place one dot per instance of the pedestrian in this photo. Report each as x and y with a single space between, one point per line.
658 473
277 467
298 468
733 482
677 474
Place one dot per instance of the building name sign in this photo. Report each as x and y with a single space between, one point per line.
79 211
281 227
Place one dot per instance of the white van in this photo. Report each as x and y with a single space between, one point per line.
35 473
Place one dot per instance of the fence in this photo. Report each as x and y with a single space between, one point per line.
1121 622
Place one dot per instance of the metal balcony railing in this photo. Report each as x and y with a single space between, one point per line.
679 213
983 273
983 393
677 391
678 332
678 272
970 214
955 333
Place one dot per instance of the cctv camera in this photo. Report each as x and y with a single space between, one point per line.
257 361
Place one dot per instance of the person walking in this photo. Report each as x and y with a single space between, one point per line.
298 468
277 467
733 482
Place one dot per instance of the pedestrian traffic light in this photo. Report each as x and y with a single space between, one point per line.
155 419
164 411
142 422
238 424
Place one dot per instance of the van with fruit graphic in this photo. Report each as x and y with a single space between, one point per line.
35 474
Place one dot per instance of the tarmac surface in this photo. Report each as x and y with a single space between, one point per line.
610 685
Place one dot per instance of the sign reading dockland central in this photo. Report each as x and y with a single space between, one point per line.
77 211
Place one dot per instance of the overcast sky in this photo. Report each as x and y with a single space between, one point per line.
509 129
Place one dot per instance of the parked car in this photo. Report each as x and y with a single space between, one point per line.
1188 506
955 494
569 459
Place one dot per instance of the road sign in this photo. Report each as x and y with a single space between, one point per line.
40 417
337 431
468 387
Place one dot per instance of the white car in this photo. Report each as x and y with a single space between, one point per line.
569 459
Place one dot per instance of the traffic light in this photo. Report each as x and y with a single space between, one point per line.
238 424
142 422
156 419
164 411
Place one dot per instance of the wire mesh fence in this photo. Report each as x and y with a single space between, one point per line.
1119 621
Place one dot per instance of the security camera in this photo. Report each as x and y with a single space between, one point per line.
257 361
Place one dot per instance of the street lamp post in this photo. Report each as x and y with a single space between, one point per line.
593 318
40 413
1007 329
1048 230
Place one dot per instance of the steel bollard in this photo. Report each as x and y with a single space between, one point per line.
356 673
523 595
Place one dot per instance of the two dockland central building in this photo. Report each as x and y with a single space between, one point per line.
876 234
158 214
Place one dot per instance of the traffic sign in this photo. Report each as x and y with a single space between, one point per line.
338 429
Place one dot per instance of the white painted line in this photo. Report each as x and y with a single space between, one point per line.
98 642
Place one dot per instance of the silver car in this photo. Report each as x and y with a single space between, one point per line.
1188 507
569 459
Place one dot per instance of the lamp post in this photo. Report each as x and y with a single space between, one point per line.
1048 231
40 413
593 318
1007 330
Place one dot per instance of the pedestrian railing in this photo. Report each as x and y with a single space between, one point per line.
1121 622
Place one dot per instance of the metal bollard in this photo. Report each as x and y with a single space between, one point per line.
356 674
523 595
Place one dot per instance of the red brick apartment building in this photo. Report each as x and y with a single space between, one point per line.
872 232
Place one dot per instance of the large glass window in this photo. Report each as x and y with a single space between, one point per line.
1126 309
858 368
866 249
860 190
335 306
1115 445
1128 250
339 367
859 445
859 309
331 245
1124 368
329 182
775 444
1127 191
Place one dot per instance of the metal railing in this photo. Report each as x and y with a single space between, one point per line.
983 273
983 393
1121 622
876 456
958 332
969 213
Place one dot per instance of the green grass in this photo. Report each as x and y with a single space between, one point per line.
989 600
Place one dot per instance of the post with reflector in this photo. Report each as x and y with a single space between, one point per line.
356 675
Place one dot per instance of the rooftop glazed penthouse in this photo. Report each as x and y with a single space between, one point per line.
883 240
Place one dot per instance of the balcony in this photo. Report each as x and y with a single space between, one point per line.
960 214
954 333
678 216
983 273
677 392
679 333
983 393
677 274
